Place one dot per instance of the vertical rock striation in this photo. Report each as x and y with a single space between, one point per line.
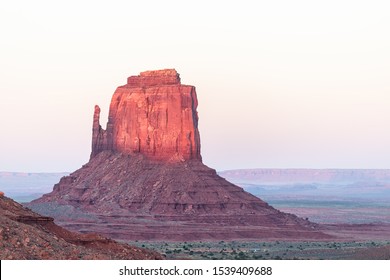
153 114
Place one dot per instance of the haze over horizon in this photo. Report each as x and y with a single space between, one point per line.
281 84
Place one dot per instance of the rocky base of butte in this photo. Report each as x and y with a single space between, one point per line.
146 180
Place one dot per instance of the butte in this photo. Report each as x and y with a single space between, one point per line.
145 179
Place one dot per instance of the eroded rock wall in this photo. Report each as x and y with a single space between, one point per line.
153 114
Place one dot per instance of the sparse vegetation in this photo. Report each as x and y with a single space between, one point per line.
246 250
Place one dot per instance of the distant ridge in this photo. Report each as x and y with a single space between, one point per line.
25 186
269 175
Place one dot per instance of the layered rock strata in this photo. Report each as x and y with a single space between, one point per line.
146 179
25 235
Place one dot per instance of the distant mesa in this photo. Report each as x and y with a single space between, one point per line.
145 179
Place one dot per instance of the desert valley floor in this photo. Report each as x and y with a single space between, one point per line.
359 223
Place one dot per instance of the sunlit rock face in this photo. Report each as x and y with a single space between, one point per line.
153 114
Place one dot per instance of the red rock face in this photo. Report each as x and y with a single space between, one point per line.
145 179
153 114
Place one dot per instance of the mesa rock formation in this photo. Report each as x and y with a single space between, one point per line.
153 114
27 235
145 179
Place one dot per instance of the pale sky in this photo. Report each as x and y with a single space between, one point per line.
281 84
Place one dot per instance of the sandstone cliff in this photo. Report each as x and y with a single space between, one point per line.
153 114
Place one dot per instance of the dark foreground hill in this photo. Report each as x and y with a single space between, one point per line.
27 235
